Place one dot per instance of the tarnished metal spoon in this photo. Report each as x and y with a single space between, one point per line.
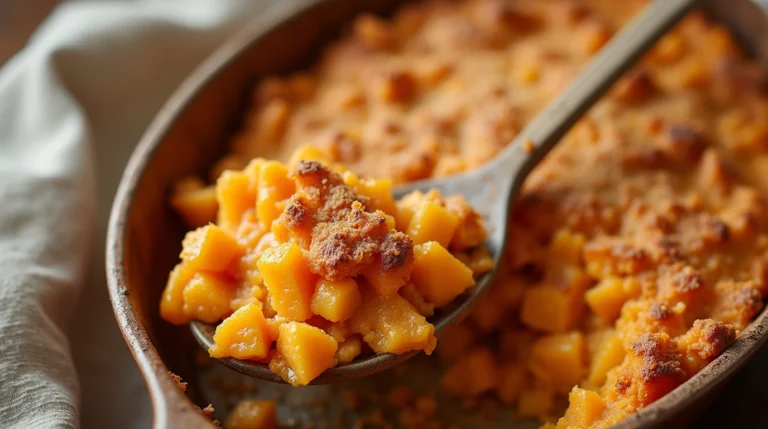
493 188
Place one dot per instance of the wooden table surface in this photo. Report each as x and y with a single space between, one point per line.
743 402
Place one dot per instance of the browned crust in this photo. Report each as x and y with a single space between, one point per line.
396 251
659 358
660 311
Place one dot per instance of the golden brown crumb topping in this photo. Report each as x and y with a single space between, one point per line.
396 251
342 248
330 221
658 357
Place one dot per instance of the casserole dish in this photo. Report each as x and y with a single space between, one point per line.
189 133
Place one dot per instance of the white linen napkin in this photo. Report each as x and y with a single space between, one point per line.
72 106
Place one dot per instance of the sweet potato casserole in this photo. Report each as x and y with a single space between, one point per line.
638 250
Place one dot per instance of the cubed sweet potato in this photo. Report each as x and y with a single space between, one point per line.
336 300
288 280
235 193
566 247
253 414
308 153
431 222
439 276
379 191
197 207
607 298
608 354
210 248
470 231
559 360
243 335
546 309
405 208
555 309
207 297
391 223
273 189
307 350
390 324
172 301
585 406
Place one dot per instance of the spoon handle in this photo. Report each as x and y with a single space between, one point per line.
596 78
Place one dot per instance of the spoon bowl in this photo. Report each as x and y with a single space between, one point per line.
493 188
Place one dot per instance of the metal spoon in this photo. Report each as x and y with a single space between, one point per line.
493 188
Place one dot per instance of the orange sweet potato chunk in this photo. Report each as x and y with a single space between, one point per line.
545 309
470 231
553 308
432 222
288 280
405 209
559 360
609 353
391 223
390 324
253 414
585 406
439 276
307 350
471 374
235 193
243 335
172 301
566 247
207 297
274 188
210 248
379 191
197 207
308 153
336 300
607 298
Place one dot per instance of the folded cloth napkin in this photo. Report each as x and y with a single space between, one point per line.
72 106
